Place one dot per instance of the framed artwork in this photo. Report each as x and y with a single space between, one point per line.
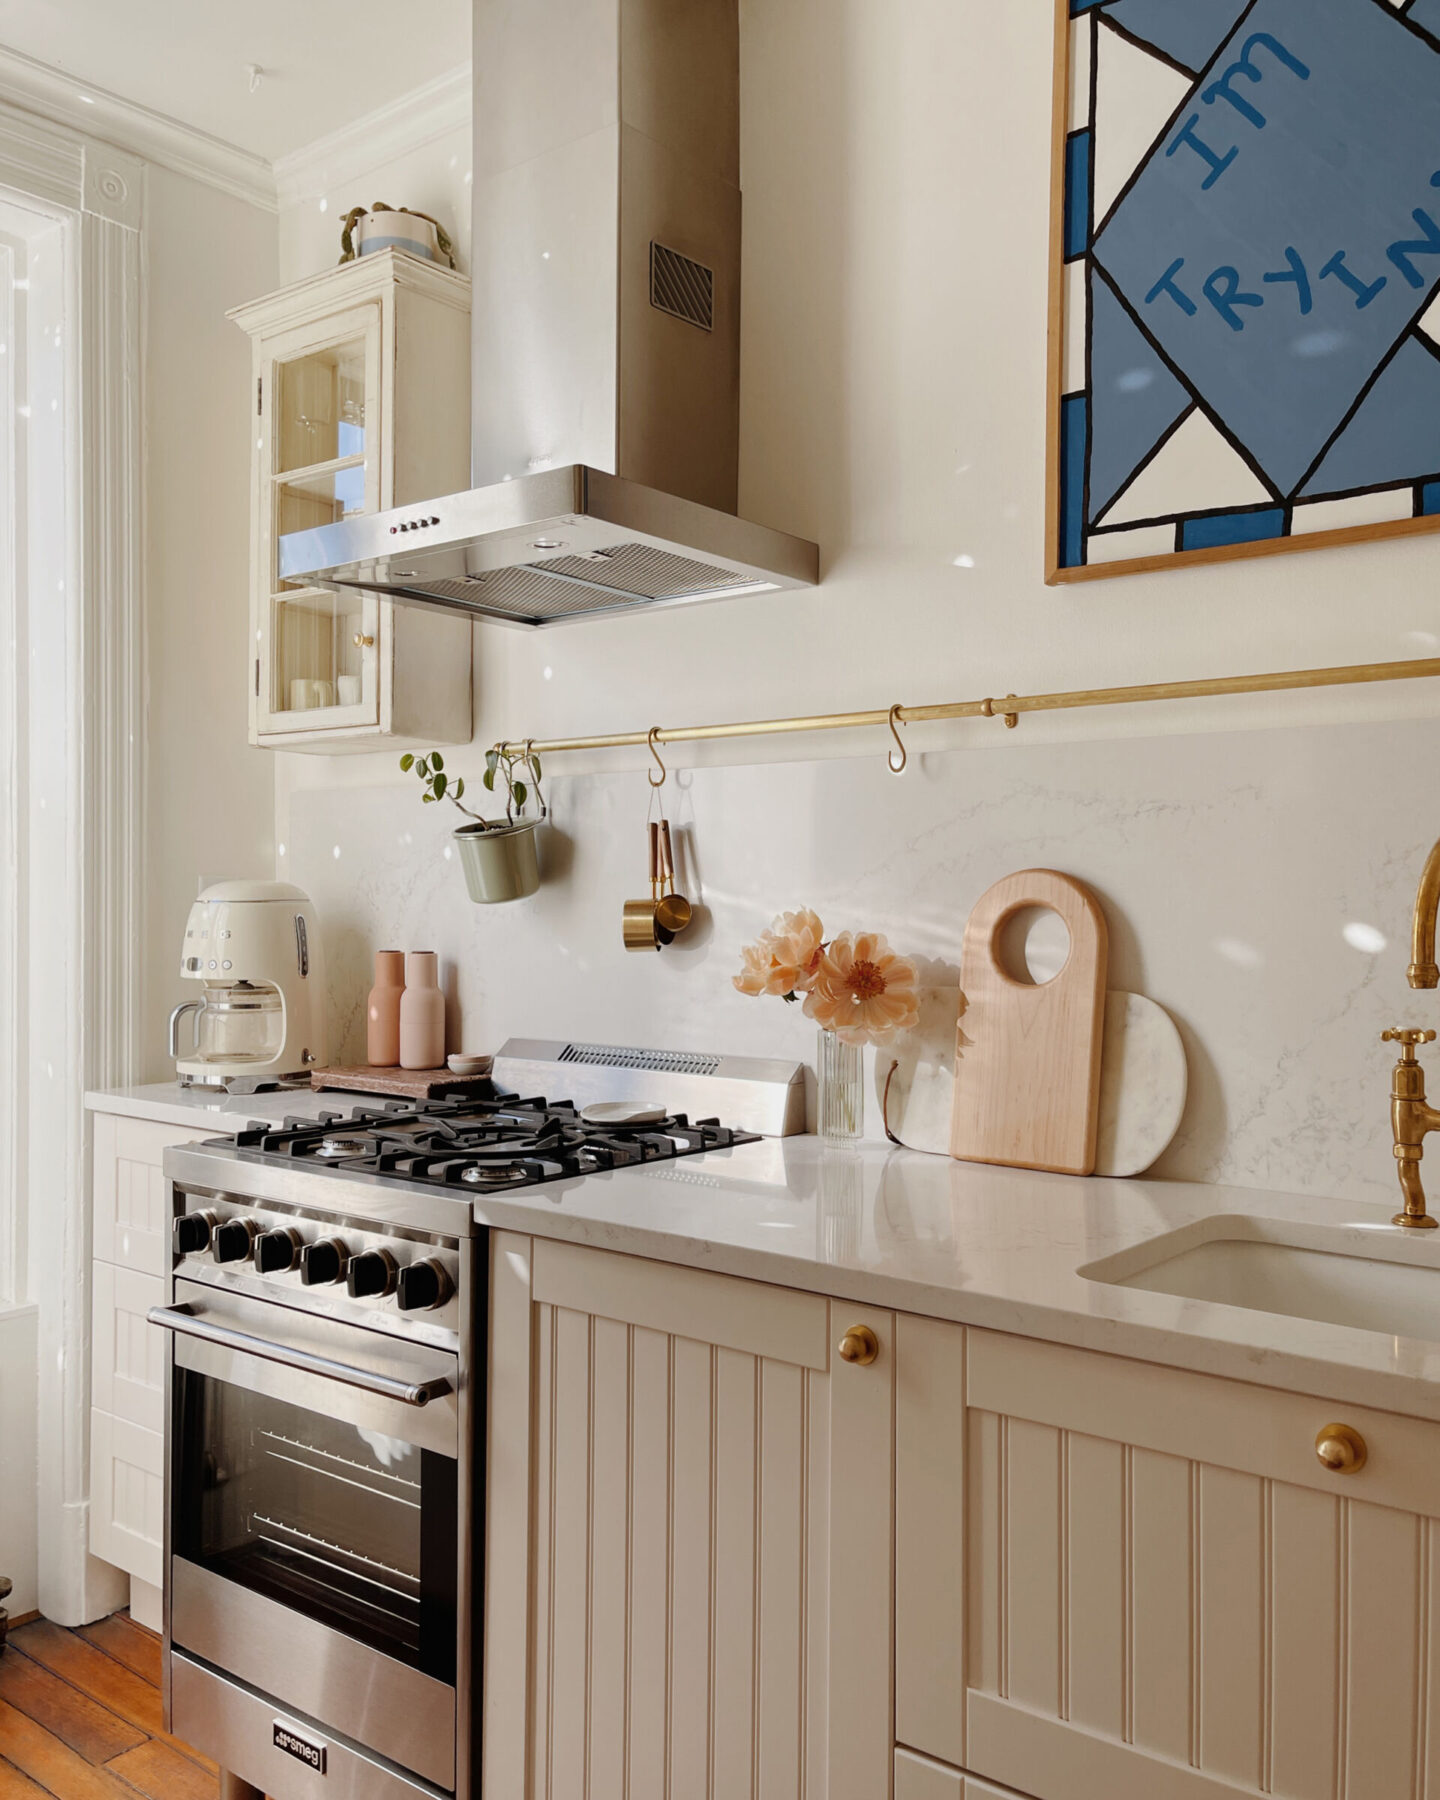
1244 328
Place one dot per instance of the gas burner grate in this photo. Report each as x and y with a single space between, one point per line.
493 1144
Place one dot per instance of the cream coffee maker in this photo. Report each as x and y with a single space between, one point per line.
261 1019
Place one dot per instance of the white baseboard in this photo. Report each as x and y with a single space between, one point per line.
146 1604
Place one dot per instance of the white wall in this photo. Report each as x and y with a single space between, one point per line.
896 179
18 1463
209 795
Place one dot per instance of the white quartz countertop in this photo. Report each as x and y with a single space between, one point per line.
998 1248
201 1109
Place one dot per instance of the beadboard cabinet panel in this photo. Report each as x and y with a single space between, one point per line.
1186 1626
918 1778
709 1538
131 1208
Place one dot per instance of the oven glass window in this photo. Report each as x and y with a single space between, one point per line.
352 1527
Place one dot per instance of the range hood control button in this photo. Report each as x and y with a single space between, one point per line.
323 1262
231 1241
276 1251
423 1285
190 1233
371 1274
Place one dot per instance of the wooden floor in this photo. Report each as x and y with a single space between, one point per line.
80 1718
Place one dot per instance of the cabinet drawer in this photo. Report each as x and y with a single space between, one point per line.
131 1210
127 1352
127 1518
917 1778
1163 1590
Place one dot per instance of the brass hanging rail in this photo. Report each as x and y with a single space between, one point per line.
1007 707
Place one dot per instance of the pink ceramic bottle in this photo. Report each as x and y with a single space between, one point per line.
382 1012
422 1013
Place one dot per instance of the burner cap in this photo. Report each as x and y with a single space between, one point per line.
335 1147
496 1175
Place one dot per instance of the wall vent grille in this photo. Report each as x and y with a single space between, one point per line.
681 287
662 1062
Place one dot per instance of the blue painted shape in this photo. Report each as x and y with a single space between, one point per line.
1073 419
1341 163
1232 528
1189 32
1083 6
1134 399
1426 14
1394 438
1077 195
1430 500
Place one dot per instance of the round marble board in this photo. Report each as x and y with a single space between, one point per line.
1143 1080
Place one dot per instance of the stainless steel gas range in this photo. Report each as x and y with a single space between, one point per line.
325 1448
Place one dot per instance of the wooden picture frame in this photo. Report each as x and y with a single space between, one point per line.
1179 225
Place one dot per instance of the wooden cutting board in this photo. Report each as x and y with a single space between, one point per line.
1027 1067
408 1084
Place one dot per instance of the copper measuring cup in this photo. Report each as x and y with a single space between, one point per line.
673 911
642 928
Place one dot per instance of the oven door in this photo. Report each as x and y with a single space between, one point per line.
313 1518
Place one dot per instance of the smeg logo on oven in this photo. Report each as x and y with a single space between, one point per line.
312 1755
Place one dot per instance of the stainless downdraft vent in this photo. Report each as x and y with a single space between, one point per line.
682 287
754 1093
663 1062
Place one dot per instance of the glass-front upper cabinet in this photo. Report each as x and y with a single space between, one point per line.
361 403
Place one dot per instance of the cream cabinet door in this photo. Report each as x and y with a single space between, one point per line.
689 1536
1165 1593
917 1778
131 1207
127 1369
127 1514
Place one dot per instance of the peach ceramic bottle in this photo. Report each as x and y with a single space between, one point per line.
422 1013
382 1012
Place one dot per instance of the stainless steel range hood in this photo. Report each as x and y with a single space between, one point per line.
606 334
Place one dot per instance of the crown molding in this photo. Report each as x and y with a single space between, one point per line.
406 123
53 95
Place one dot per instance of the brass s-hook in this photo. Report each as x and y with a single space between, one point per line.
896 768
651 736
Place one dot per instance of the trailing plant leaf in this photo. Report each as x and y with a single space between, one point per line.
407 763
437 761
438 786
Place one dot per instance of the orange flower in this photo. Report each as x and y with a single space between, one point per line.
863 991
783 960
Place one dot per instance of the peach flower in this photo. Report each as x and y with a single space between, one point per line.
784 959
863 991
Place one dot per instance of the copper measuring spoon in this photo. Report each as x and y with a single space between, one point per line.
642 928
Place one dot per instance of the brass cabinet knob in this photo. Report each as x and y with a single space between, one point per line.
1342 1449
859 1345
361 641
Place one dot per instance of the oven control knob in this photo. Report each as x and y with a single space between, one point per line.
231 1240
370 1273
190 1233
423 1285
323 1262
276 1251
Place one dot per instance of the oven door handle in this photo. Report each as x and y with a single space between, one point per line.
188 1323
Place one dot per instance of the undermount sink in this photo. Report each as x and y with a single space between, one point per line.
1368 1277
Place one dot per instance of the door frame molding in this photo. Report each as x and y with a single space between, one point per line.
86 935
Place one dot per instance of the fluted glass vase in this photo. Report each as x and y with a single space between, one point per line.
840 1090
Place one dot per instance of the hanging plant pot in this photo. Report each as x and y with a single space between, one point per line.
499 861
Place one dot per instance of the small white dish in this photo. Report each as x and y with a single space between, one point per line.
623 1112
469 1065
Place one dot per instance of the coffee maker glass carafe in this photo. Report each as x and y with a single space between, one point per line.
240 1024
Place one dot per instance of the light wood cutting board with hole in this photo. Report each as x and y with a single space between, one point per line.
1027 1066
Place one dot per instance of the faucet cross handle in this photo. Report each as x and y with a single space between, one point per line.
1407 1039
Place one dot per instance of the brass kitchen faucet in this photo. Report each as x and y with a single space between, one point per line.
1412 1118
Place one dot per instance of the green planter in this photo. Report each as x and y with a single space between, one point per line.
499 864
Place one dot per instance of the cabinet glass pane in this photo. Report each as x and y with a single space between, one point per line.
320 406
320 497
314 660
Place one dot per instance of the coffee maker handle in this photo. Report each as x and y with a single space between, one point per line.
187 1006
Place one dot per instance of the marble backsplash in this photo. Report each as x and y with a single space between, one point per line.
1259 885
